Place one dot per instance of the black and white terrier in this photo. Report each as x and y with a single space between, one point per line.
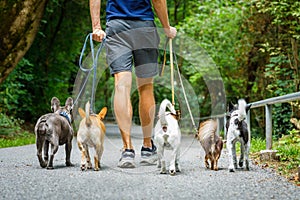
237 131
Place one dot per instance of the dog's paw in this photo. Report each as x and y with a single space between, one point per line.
89 165
163 171
172 172
83 168
69 164
96 168
231 170
43 164
247 168
241 163
207 166
50 167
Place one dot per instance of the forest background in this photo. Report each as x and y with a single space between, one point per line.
253 43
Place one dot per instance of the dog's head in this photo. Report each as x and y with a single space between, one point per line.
237 112
233 108
65 111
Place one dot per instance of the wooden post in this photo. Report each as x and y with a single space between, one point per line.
268 109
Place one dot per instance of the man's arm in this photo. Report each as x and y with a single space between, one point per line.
98 33
160 7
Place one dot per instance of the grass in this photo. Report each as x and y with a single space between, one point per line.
12 134
288 148
24 138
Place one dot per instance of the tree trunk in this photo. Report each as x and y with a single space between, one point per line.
20 21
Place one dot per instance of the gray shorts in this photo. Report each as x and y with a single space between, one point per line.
131 42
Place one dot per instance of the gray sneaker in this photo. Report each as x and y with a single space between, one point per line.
149 155
127 159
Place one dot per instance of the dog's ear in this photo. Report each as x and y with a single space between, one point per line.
102 113
231 106
55 104
69 103
81 113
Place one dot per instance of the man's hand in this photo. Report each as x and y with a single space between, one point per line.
171 32
98 35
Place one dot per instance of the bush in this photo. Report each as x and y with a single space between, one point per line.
9 126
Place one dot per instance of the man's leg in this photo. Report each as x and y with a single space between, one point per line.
146 108
147 113
123 107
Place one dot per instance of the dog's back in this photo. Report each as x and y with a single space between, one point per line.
168 136
55 129
91 134
237 131
168 123
210 141
91 128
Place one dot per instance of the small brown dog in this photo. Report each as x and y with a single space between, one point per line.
91 133
211 142
55 129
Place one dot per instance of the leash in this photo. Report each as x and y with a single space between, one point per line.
171 65
172 72
89 70
184 95
172 61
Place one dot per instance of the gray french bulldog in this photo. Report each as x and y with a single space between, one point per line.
55 129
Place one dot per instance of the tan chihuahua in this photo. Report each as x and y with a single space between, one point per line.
91 133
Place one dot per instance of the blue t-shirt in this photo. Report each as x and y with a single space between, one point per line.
129 9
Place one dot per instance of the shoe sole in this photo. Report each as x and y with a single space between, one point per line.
149 161
126 164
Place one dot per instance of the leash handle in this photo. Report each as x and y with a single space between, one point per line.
88 70
94 58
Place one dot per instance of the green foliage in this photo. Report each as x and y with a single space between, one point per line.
24 138
285 13
14 92
257 144
288 147
281 120
9 126
50 66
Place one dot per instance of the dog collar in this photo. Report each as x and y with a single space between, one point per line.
64 114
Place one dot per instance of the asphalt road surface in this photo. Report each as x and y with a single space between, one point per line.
21 177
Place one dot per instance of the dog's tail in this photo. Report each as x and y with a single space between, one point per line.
242 109
162 111
88 121
41 128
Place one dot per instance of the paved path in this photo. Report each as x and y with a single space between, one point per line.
21 177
